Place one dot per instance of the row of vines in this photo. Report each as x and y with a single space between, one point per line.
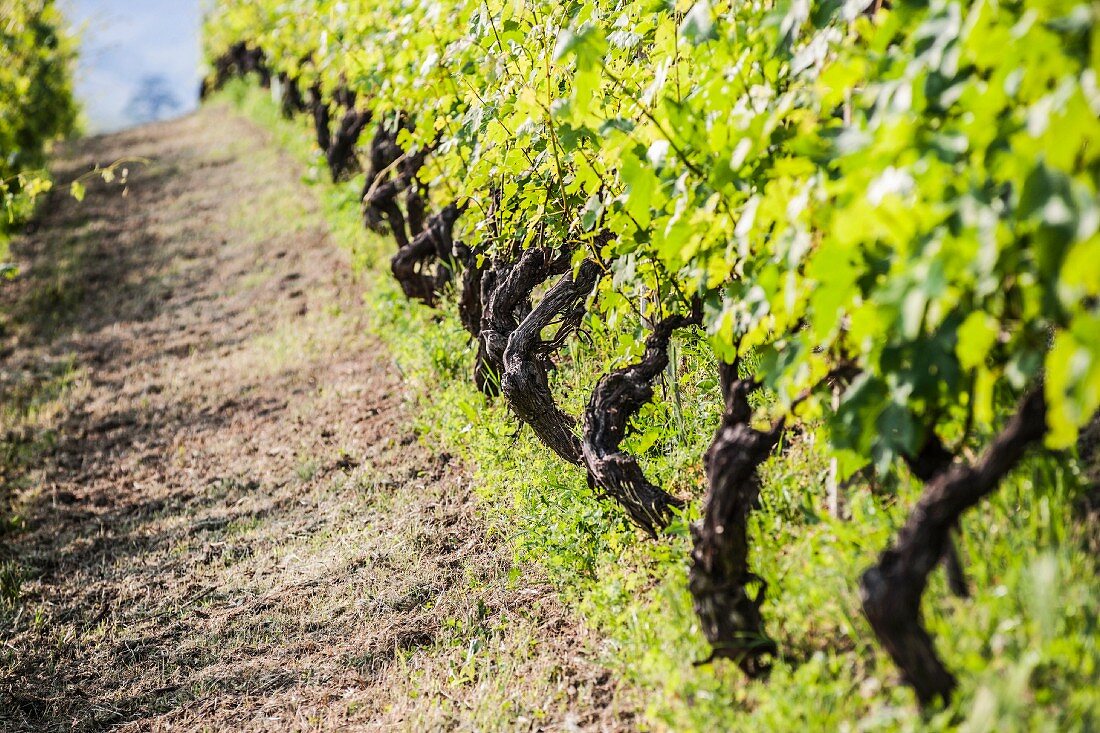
36 103
882 215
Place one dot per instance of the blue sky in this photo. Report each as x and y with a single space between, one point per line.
124 42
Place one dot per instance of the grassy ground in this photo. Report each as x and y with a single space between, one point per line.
216 512
1026 646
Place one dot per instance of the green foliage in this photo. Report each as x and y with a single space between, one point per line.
36 101
908 194
912 193
1026 644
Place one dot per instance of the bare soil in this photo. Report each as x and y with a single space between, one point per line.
223 519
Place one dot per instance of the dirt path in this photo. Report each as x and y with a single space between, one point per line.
226 520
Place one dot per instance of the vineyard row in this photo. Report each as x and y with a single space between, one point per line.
884 216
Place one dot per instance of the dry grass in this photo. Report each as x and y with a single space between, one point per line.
226 521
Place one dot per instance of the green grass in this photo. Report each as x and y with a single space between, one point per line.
1025 647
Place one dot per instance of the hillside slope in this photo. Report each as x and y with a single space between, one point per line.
224 518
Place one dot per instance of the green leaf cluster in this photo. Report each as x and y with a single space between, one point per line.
909 193
36 100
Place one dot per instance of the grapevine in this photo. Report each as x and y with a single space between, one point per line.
883 216
36 104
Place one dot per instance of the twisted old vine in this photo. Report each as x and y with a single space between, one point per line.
890 208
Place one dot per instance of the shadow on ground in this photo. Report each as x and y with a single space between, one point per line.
221 517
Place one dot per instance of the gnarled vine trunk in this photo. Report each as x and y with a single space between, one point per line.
321 122
891 590
344 96
489 364
291 101
932 460
384 152
616 398
258 65
415 208
526 362
341 151
469 296
383 203
382 194
477 274
506 294
1088 506
240 59
720 578
435 244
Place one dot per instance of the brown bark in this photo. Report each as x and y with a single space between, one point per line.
506 294
487 368
932 460
383 187
240 59
345 97
719 578
341 151
526 362
435 245
415 208
469 297
292 102
384 152
891 590
478 277
383 203
1088 505
616 398
321 122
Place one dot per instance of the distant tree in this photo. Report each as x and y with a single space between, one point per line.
153 100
